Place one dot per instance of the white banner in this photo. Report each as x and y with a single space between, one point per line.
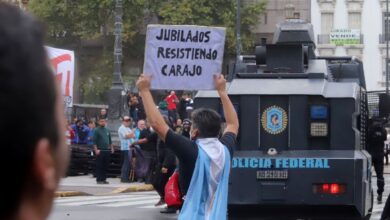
183 57
342 37
63 66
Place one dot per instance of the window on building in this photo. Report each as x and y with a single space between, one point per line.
384 67
263 41
263 18
386 22
297 15
326 23
354 20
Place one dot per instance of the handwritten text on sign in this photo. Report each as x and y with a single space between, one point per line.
183 57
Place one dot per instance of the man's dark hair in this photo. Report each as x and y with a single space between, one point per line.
27 100
207 121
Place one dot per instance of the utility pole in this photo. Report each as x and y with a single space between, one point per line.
387 46
115 93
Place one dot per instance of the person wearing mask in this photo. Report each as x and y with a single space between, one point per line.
125 136
40 157
102 146
205 161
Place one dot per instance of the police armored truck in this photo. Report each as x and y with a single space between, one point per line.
302 138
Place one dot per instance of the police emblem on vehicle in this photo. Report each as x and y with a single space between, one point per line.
274 120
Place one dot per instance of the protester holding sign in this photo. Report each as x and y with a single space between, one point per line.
205 161
182 57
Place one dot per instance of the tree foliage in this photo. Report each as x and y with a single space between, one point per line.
68 22
214 13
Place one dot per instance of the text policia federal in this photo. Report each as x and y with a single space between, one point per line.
186 53
284 163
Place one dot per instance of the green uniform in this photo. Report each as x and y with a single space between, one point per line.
102 138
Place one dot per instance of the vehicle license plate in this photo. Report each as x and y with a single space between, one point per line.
272 174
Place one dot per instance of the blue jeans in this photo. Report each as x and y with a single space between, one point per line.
125 172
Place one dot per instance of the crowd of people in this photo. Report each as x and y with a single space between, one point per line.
145 156
155 142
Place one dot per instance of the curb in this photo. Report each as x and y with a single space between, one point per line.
141 188
69 193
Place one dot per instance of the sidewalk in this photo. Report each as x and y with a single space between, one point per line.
86 185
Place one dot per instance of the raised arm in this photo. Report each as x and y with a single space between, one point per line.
155 118
228 108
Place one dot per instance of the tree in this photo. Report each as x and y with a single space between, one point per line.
70 22
214 13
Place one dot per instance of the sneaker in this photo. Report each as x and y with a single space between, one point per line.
125 181
379 198
160 202
99 182
168 211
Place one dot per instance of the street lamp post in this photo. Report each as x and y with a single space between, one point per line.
238 29
114 96
387 46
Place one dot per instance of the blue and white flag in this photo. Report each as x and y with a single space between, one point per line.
208 192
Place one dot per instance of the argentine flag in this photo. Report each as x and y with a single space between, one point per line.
208 192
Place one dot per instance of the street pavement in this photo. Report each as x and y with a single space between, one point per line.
103 204
128 206
87 185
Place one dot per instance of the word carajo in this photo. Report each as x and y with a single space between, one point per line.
181 70
182 36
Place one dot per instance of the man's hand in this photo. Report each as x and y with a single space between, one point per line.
130 135
164 170
220 83
143 82
155 118
228 108
112 149
97 152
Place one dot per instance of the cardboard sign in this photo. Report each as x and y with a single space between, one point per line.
183 57
63 65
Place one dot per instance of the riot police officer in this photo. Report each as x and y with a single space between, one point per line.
376 137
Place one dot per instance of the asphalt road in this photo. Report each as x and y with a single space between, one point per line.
137 206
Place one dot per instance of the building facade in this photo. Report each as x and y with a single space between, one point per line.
20 3
276 12
363 21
